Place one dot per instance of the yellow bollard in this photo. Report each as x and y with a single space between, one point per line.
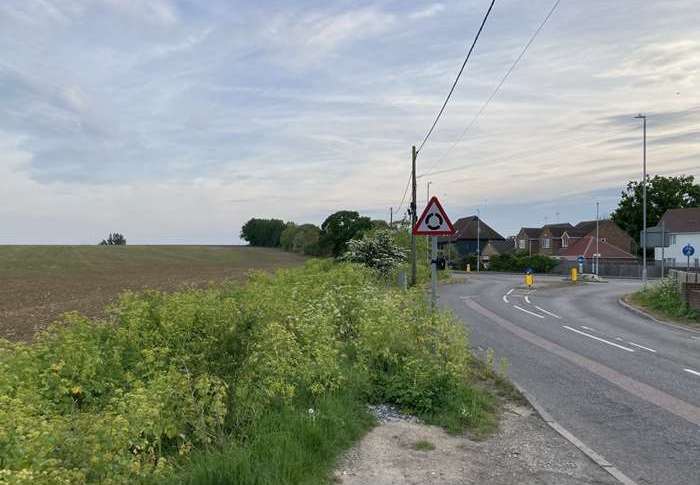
529 280
574 274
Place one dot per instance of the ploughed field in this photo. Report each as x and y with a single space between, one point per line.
39 283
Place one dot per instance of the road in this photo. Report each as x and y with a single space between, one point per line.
627 387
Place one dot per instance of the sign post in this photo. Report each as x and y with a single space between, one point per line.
688 251
580 260
433 222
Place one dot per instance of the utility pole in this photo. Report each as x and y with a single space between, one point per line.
597 249
391 217
478 239
414 216
644 201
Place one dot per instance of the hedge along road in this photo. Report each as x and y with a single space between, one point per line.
625 386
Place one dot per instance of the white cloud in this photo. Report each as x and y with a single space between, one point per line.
427 12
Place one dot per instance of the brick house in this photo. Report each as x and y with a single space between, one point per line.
608 231
553 239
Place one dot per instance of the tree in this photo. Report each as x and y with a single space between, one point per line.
378 251
341 227
306 240
663 193
263 232
287 236
114 239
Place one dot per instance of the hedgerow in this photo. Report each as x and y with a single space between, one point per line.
166 376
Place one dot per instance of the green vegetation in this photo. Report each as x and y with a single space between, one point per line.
663 193
423 445
518 263
339 228
260 383
263 232
665 298
114 239
378 251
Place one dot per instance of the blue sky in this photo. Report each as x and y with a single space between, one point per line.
175 121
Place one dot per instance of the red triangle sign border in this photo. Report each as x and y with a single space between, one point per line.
434 200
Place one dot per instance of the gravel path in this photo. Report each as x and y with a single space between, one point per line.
524 451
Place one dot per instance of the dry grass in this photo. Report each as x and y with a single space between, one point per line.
39 283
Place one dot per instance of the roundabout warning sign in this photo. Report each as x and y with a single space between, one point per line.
433 221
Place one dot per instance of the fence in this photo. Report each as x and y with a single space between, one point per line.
689 284
621 270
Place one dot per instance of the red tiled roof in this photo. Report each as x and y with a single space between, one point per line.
586 247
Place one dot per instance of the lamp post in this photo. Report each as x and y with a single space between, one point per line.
478 239
644 199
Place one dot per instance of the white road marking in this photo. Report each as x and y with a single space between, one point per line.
588 328
527 311
691 371
505 298
642 347
548 313
598 339
620 339
527 299
510 291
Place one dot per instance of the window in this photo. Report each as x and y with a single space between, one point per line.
565 241
673 239
546 243
521 243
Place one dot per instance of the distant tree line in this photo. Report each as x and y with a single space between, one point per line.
331 239
114 239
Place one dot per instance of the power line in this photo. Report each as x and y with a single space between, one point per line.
405 191
454 85
498 87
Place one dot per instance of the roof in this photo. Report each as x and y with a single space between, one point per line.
586 247
557 230
466 228
682 220
531 232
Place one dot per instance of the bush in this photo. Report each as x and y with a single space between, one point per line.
518 263
665 296
213 372
377 251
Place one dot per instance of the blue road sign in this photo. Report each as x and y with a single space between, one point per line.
581 260
688 250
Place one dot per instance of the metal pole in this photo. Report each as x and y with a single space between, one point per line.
427 246
433 271
663 247
391 216
414 216
597 248
644 201
478 240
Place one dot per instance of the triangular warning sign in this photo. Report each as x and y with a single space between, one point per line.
433 221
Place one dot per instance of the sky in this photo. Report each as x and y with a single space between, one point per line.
175 121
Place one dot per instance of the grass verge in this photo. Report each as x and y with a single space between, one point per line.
664 301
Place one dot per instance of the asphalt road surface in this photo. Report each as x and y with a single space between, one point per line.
627 387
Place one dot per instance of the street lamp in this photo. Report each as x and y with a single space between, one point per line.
644 200
478 239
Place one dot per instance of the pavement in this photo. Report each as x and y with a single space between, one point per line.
625 386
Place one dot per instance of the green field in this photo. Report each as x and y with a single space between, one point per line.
39 283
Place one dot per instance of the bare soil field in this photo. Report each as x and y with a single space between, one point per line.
39 283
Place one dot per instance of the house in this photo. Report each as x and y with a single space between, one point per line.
497 247
469 230
528 239
586 246
682 227
554 239
608 231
